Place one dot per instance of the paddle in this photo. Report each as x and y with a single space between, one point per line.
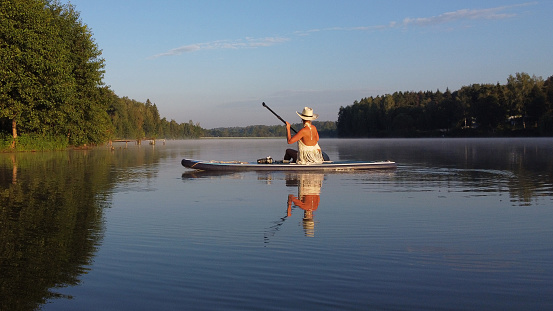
278 117
325 156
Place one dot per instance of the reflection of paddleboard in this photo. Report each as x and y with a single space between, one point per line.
279 166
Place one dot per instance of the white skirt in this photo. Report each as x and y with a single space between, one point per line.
309 154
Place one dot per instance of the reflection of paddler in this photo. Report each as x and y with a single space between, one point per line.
308 199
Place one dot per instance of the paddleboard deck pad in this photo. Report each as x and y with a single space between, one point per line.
281 166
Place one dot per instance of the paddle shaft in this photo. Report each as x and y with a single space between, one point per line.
276 115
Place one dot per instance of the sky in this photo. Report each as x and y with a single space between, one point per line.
215 62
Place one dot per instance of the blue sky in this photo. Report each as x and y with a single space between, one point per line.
214 62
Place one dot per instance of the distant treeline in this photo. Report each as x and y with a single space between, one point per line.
325 129
522 106
134 119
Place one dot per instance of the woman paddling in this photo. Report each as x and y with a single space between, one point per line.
307 138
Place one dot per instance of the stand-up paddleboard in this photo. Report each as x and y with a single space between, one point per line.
281 166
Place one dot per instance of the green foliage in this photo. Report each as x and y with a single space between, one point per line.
173 130
33 142
135 120
33 63
248 131
51 72
5 142
326 129
522 105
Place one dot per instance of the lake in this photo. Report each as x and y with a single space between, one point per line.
461 224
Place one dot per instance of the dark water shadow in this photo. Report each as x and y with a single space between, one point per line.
52 218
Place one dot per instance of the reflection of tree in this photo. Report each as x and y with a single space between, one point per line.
50 222
523 167
526 187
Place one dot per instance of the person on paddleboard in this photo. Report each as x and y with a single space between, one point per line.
307 138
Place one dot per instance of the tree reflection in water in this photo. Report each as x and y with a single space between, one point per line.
51 222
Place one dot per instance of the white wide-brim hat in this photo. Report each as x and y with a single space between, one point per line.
307 114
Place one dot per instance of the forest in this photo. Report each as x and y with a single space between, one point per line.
51 91
521 107
134 119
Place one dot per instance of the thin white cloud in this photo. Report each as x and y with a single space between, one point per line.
225 44
464 14
359 28
497 13
307 32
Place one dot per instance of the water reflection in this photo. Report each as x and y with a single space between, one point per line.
523 166
51 223
193 174
52 219
308 198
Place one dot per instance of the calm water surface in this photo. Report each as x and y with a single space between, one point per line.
462 224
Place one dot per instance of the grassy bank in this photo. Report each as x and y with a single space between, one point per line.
33 142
